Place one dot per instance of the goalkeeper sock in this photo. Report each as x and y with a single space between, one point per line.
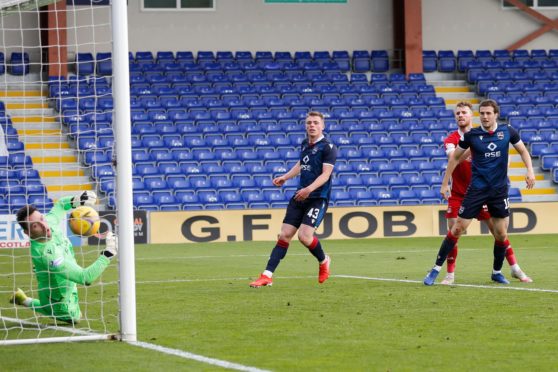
277 254
447 245
316 249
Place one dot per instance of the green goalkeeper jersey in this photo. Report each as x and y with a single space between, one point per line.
54 261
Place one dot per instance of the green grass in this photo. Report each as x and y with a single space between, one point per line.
196 298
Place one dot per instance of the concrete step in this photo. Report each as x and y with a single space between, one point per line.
26 112
60 181
70 188
36 126
60 138
35 99
543 184
52 153
43 167
540 198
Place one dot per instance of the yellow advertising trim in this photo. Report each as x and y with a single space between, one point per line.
34 119
54 159
24 106
22 93
538 177
50 146
451 89
62 173
541 191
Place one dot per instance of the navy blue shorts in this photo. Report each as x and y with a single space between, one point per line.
310 212
495 199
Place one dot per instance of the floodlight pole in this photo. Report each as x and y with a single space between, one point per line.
124 192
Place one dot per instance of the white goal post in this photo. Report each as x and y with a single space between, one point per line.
51 122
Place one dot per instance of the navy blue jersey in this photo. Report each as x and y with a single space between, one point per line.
312 160
489 155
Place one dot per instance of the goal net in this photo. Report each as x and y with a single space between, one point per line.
56 141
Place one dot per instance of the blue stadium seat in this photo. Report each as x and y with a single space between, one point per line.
19 63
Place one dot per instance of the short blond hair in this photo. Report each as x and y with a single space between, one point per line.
316 113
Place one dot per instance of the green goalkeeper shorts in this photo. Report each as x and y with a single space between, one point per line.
67 311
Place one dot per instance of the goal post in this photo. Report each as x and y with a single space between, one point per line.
58 117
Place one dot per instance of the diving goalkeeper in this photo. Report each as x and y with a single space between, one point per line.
54 261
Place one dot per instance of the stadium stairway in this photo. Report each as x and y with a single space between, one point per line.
41 132
455 91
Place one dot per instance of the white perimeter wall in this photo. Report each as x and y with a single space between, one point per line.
253 25
480 24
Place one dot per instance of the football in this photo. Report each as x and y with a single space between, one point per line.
84 221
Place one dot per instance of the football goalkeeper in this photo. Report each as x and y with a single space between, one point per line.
54 261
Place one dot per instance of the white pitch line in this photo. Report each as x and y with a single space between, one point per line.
196 357
453 285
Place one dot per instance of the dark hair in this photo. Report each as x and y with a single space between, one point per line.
23 213
490 103
464 104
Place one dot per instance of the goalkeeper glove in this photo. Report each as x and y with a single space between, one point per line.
85 198
111 249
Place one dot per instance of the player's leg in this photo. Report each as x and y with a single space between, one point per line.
313 216
469 209
68 311
498 207
291 222
516 271
277 254
452 256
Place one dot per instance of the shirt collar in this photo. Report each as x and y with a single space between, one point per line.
318 140
490 132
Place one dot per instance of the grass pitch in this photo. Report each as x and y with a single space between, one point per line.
373 314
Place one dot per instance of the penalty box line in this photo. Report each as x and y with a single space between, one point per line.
503 287
196 357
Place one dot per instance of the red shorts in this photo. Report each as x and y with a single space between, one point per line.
454 203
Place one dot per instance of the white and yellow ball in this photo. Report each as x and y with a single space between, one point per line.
84 221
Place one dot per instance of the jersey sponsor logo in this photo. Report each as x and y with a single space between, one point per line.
306 166
314 151
492 154
500 135
57 262
461 209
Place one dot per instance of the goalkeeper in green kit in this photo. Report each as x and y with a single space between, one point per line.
54 261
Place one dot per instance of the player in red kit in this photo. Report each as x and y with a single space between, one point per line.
460 179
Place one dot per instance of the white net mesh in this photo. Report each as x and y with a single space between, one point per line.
56 141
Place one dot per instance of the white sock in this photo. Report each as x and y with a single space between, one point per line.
437 268
324 260
268 273
28 302
496 271
515 268
450 275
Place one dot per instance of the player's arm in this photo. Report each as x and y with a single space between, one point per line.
302 194
453 161
526 157
293 172
69 268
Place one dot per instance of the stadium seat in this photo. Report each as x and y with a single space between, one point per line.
85 64
19 63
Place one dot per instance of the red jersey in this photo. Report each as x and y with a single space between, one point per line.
461 176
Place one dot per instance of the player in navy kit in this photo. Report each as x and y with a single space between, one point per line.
489 146
308 205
